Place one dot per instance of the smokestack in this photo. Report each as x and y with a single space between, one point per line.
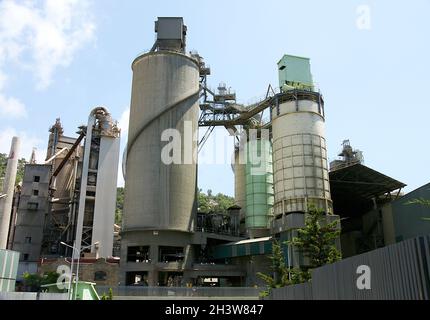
7 193
33 156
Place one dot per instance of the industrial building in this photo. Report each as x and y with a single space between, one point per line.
65 207
280 165
163 238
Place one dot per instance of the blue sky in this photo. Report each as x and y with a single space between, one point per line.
62 58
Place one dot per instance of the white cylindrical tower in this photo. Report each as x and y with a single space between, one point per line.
300 153
7 193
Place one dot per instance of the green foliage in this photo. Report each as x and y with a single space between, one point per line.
280 276
33 282
280 273
108 296
20 171
420 201
316 240
119 205
213 203
206 203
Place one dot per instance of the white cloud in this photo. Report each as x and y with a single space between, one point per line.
41 36
3 79
48 36
28 142
11 107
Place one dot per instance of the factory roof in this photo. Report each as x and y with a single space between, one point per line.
353 188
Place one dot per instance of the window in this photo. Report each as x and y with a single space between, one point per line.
35 192
27 240
32 206
25 257
36 179
138 254
171 254
136 278
100 276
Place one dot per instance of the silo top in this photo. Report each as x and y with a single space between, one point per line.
294 69
163 52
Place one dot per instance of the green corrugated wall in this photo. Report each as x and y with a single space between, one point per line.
244 249
259 183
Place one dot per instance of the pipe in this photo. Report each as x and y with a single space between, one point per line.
84 177
55 155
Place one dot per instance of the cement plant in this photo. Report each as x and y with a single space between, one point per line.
60 219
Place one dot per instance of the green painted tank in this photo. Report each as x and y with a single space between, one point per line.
259 184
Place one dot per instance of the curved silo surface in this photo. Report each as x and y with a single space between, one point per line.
259 184
164 96
300 153
239 181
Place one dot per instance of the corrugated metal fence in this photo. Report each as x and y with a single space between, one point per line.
399 272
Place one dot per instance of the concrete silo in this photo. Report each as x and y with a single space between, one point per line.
160 198
299 144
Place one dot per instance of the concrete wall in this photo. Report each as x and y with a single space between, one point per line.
18 296
400 271
32 296
30 223
87 270
154 240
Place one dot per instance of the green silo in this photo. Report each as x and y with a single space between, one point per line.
259 186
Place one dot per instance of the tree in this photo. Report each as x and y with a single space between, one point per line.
20 170
210 203
421 201
33 282
316 241
282 275
279 277
108 296
119 205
